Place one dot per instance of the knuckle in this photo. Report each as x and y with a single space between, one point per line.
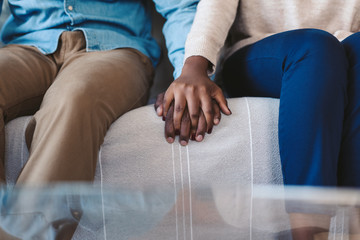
209 112
202 89
216 88
169 117
185 119
194 116
160 96
178 85
176 122
179 108
191 88
158 100
165 100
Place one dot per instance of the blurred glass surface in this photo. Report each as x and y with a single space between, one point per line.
209 212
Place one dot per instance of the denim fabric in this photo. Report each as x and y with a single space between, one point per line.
107 24
319 113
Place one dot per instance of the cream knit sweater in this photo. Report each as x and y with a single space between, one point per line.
247 21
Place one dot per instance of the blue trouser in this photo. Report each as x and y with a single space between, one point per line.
317 79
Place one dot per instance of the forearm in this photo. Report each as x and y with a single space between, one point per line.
211 25
179 16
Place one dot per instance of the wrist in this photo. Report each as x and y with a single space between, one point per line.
197 64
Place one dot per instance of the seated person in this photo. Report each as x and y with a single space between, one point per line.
78 66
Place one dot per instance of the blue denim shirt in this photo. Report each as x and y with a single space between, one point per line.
106 24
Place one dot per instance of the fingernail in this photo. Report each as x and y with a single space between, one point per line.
170 140
210 131
216 121
163 118
158 111
199 138
183 143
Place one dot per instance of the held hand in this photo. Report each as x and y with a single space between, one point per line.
184 133
194 91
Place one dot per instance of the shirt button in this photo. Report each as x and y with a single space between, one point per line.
70 8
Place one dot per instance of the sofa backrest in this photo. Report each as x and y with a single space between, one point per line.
164 71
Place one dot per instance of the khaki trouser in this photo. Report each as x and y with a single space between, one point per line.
75 96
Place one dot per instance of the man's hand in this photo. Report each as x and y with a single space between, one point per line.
185 133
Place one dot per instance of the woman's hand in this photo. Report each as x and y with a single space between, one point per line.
184 134
193 94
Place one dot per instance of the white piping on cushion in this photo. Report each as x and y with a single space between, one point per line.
190 203
183 191
175 191
342 222
334 224
252 168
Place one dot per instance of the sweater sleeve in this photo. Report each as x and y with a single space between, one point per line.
211 25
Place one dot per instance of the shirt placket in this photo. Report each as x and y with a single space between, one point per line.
69 8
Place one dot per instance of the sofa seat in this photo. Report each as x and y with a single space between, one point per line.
243 147
243 150
240 155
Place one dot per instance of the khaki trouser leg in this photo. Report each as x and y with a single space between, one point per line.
25 75
90 91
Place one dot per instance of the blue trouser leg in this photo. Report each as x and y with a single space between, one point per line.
307 70
349 161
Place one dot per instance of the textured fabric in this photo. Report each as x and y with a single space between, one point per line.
307 70
257 19
349 160
106 25
149 173
81 93
124 155
16 151
136 156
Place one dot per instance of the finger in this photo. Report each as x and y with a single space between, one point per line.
185 128
217 113
167 101
207 108
221 100
169 125
193 106
201 129
159 104
179 107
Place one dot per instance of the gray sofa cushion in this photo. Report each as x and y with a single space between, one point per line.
243 148
239 156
